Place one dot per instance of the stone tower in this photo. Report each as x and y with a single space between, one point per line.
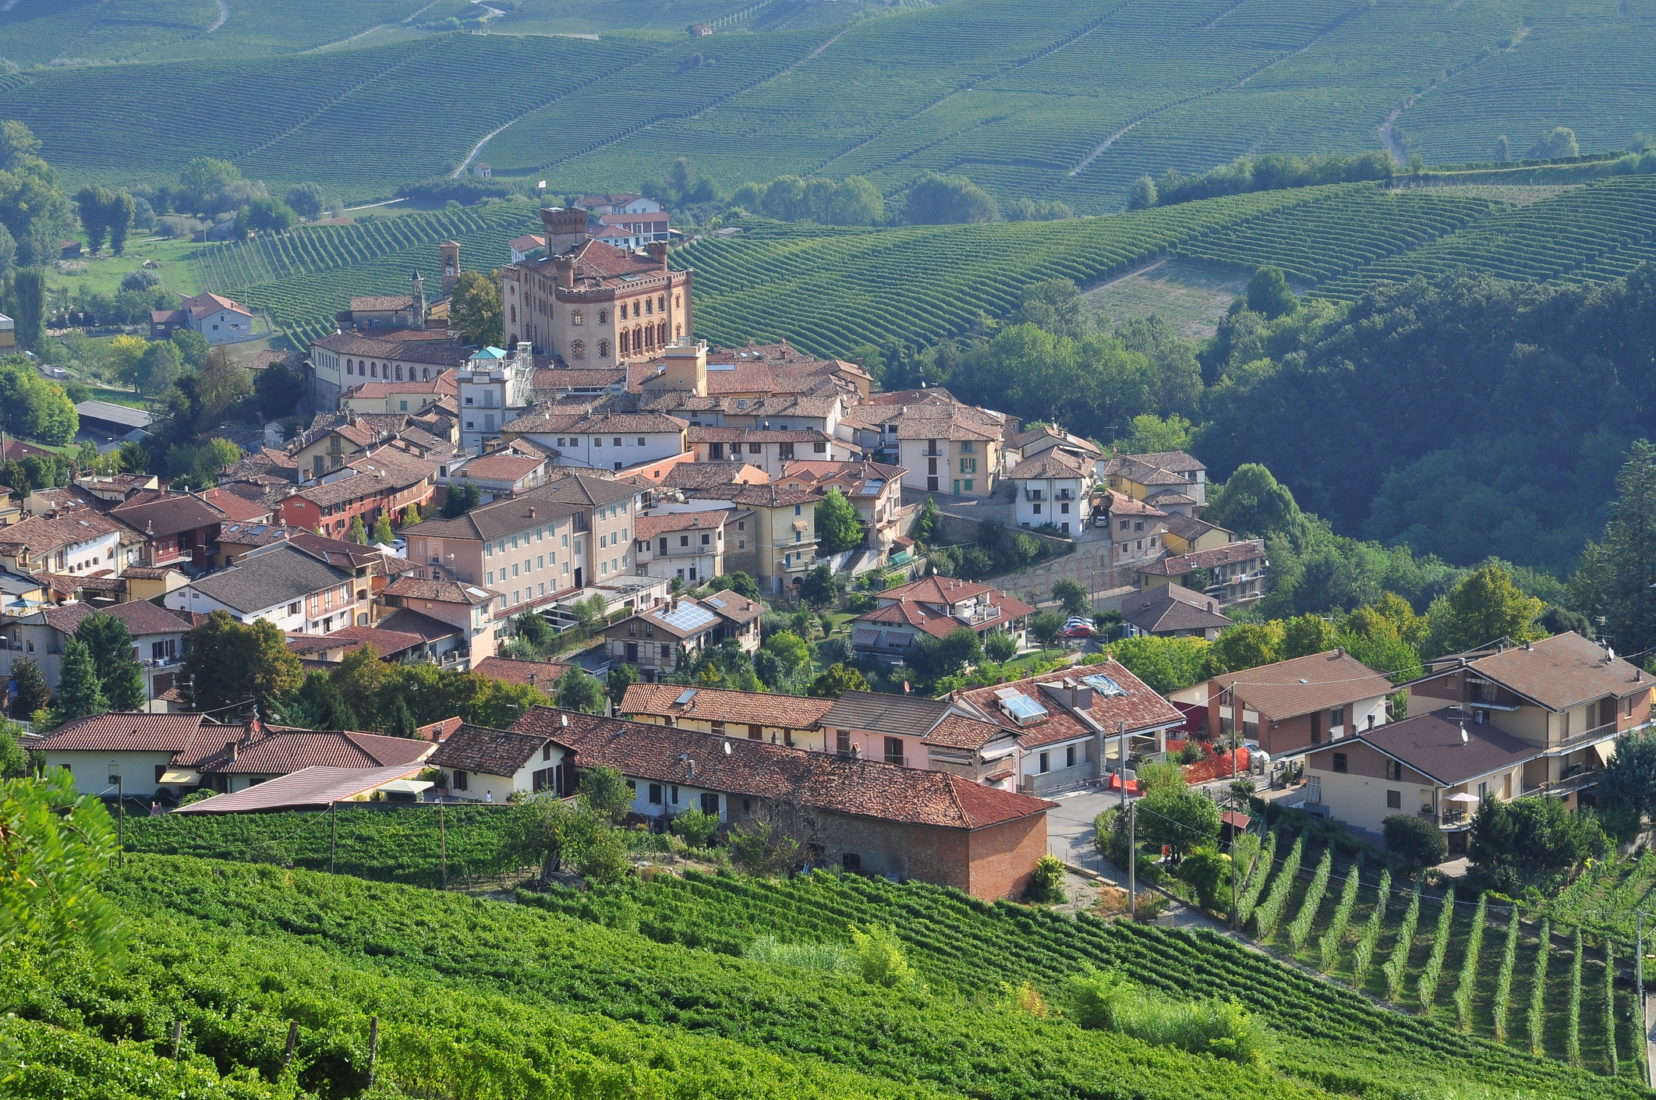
450 253
419 310
565 226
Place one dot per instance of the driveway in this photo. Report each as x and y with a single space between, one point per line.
1070 832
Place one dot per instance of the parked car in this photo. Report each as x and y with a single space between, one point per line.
1078 628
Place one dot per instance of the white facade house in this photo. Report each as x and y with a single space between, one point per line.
603 441
279 584
479 764
495 386
1054 487
769 449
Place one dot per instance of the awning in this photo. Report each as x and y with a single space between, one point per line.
1463 796
411 786
180 775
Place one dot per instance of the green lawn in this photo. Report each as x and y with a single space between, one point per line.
102 274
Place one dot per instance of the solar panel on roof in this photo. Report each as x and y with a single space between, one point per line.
721 366
1021 707
1103 684
684 697
687 616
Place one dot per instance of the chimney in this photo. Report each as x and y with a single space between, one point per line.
531 511
1529 646
658 252
1339 651
231 748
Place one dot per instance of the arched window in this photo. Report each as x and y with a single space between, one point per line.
425 374
661 303
661 332
373 370
626 343
649 305
603 317
399 372
603 349
577 317
514 314
348 369
577 349
678 332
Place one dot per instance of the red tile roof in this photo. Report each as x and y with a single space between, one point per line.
125 731
281 750
1318 681
719 705
862 788
509 670
1136 708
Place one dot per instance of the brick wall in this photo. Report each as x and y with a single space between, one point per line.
994 862
1003 857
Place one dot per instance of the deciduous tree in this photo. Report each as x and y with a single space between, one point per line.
474 309
578 689
1481 610
837 524
231 665
1616 574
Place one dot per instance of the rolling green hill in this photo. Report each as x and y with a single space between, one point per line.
1064 101
645 985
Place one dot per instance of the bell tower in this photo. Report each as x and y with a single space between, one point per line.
418 297
450 253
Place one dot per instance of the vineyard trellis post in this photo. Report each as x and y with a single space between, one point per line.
442 843
373 1050
333 834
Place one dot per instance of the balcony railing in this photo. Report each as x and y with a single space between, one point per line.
1591 736
1578 780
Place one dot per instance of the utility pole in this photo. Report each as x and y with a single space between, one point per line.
1121 760
1233 881
1638 963
1132 860
120 815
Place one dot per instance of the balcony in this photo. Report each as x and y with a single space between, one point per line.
1454 818
1603 732
1575 779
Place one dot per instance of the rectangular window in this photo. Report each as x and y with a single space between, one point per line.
655 794
894 750
675 794
1340 762
842 742
1069 756
755 733
1336 717
1046 763
1394 771
1394 800
459 780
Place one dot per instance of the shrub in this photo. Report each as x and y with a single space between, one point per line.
831 957
1024 998
879 956
1538 990
1248 896
1209 871
998 645
604 857
1047 884
1572 1027
1329 945
1191 753
1469 965
1432 973
1106 1001
1503 977
1363 957
1300 928
1265 918
1414 841
696 827
1610 1005
1397 966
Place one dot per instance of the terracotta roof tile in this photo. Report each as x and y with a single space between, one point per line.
508 670
1318 681
720 705
490 751
1132 705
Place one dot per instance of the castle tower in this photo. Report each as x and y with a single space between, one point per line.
566 227
419 310
450 253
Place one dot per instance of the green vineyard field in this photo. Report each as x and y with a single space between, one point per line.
1066 101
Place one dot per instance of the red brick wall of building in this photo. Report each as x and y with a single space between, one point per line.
1003 857
990 863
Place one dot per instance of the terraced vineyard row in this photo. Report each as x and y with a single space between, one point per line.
831 291
301 279
1328 238
1589 234
1339 1039
1455 964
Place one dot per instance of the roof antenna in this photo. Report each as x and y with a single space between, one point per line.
1465 740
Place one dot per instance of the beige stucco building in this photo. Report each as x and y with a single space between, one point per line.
590 304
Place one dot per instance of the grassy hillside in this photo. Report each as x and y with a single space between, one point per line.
443 970
1069 101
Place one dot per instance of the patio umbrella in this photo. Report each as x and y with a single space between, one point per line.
1463 796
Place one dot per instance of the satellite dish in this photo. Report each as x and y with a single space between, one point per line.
563 720
1464 739
727 748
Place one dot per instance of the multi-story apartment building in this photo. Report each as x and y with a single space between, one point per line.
493 388
949 449
524 548
683 546
281 584
784 523
875 489
600 440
